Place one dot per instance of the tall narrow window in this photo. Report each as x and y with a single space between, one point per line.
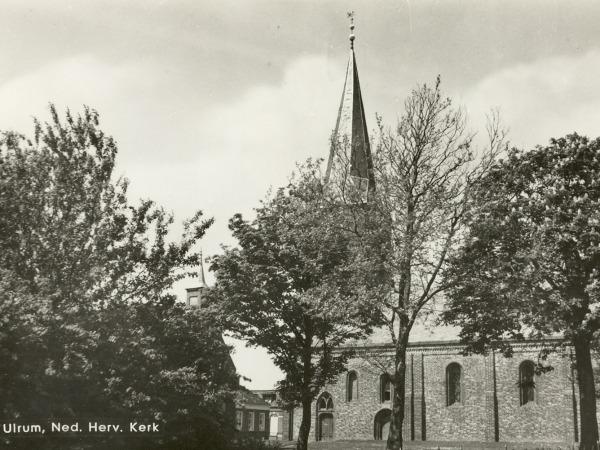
251 421
453 382
238 420
527 382
385 388
261 422
352 386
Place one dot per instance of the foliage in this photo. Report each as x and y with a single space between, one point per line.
298 286
66 222
533 247
529 266
89 327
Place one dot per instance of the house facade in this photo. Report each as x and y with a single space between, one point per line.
281 426
252 415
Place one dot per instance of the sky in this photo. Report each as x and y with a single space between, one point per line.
213 102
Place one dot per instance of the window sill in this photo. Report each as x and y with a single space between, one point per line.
532 404
455 405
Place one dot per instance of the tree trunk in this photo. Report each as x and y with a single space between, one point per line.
587 394
395 439
302 443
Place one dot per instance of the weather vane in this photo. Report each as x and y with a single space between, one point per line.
350 15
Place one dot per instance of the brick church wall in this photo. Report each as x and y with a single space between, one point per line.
490 404
550 415
465 420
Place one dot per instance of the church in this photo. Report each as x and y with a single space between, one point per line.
449 397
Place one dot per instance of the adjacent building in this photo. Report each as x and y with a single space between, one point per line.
281 418
252 415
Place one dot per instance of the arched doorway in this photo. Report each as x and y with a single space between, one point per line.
325 417
382 424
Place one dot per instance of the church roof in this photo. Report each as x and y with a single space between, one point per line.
421 332
350 134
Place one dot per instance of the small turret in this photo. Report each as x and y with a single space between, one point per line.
195 295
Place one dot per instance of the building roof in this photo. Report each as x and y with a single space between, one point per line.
248 399
426 331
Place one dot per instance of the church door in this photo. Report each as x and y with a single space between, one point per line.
326 428
382 424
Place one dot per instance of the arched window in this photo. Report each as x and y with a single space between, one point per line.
352 386
385 388
453 383
527 382
325 403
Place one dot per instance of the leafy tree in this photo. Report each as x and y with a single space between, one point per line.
65 221
299 287
90 328
424 171
530 262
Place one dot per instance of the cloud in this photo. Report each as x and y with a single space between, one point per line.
257 138
200 151
545 98
70 82
234 152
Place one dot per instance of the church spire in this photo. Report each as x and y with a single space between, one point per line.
350 153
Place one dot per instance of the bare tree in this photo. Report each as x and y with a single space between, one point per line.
425 169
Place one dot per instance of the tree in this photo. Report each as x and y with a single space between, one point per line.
297 286
66 222
90 327
424 171
529 263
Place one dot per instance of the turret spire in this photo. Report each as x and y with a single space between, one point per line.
201 274
350 160
195 295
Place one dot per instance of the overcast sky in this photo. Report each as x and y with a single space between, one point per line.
212 102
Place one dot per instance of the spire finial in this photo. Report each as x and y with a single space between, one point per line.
350 15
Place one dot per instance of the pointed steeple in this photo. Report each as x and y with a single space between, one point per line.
350 153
